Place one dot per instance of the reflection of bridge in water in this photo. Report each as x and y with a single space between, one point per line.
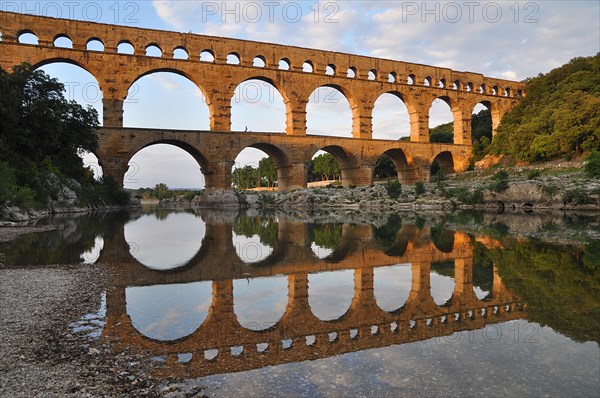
221 344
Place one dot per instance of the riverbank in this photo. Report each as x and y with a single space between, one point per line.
557 186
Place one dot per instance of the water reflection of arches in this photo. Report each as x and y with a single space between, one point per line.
299 335
166 239
359 244
168 312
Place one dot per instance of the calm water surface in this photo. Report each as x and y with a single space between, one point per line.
267 305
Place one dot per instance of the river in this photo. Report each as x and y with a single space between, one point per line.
273 304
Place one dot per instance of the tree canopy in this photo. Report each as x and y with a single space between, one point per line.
38 124
42 135
559 117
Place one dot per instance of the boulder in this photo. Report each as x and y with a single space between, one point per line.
216 198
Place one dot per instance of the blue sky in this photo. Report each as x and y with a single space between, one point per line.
506 39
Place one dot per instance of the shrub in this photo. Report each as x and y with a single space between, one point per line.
500 181
393 188
575 196
351 186
465 196
550 189
533 174
419 188
113 193
24 197
592 165
7 182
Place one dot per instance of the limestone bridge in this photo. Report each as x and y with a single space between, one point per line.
293 71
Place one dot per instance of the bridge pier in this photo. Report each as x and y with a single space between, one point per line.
219 175
296 118
112 109
359 176
293 176
114 166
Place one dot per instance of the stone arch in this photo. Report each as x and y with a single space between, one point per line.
413 117
392 286
329 99
68 42
234 58
259 61
279 157
73 61
407 173
346 161
206 167
457 117
207 55
442 238
151 50
22 37
445 163
146 249
92 42
275 85
479 130
320 292
308 66
180 52
325 238
441 284
148 308
495 112
188 76
330 70
125 47
285 64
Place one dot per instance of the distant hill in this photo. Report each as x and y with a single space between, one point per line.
559 117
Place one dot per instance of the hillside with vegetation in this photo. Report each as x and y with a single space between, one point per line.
559 117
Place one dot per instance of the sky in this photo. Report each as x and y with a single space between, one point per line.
506 39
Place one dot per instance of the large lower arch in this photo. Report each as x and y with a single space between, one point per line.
287 176
159 92
352 173
260 104
407 173
442 164
162 161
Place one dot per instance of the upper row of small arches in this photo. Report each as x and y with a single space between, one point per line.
259 61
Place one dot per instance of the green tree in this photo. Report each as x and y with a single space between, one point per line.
385 168
326 167
592 165
161 191
560 116
38 124
245 177
267 171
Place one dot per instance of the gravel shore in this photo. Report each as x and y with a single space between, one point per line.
50 348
